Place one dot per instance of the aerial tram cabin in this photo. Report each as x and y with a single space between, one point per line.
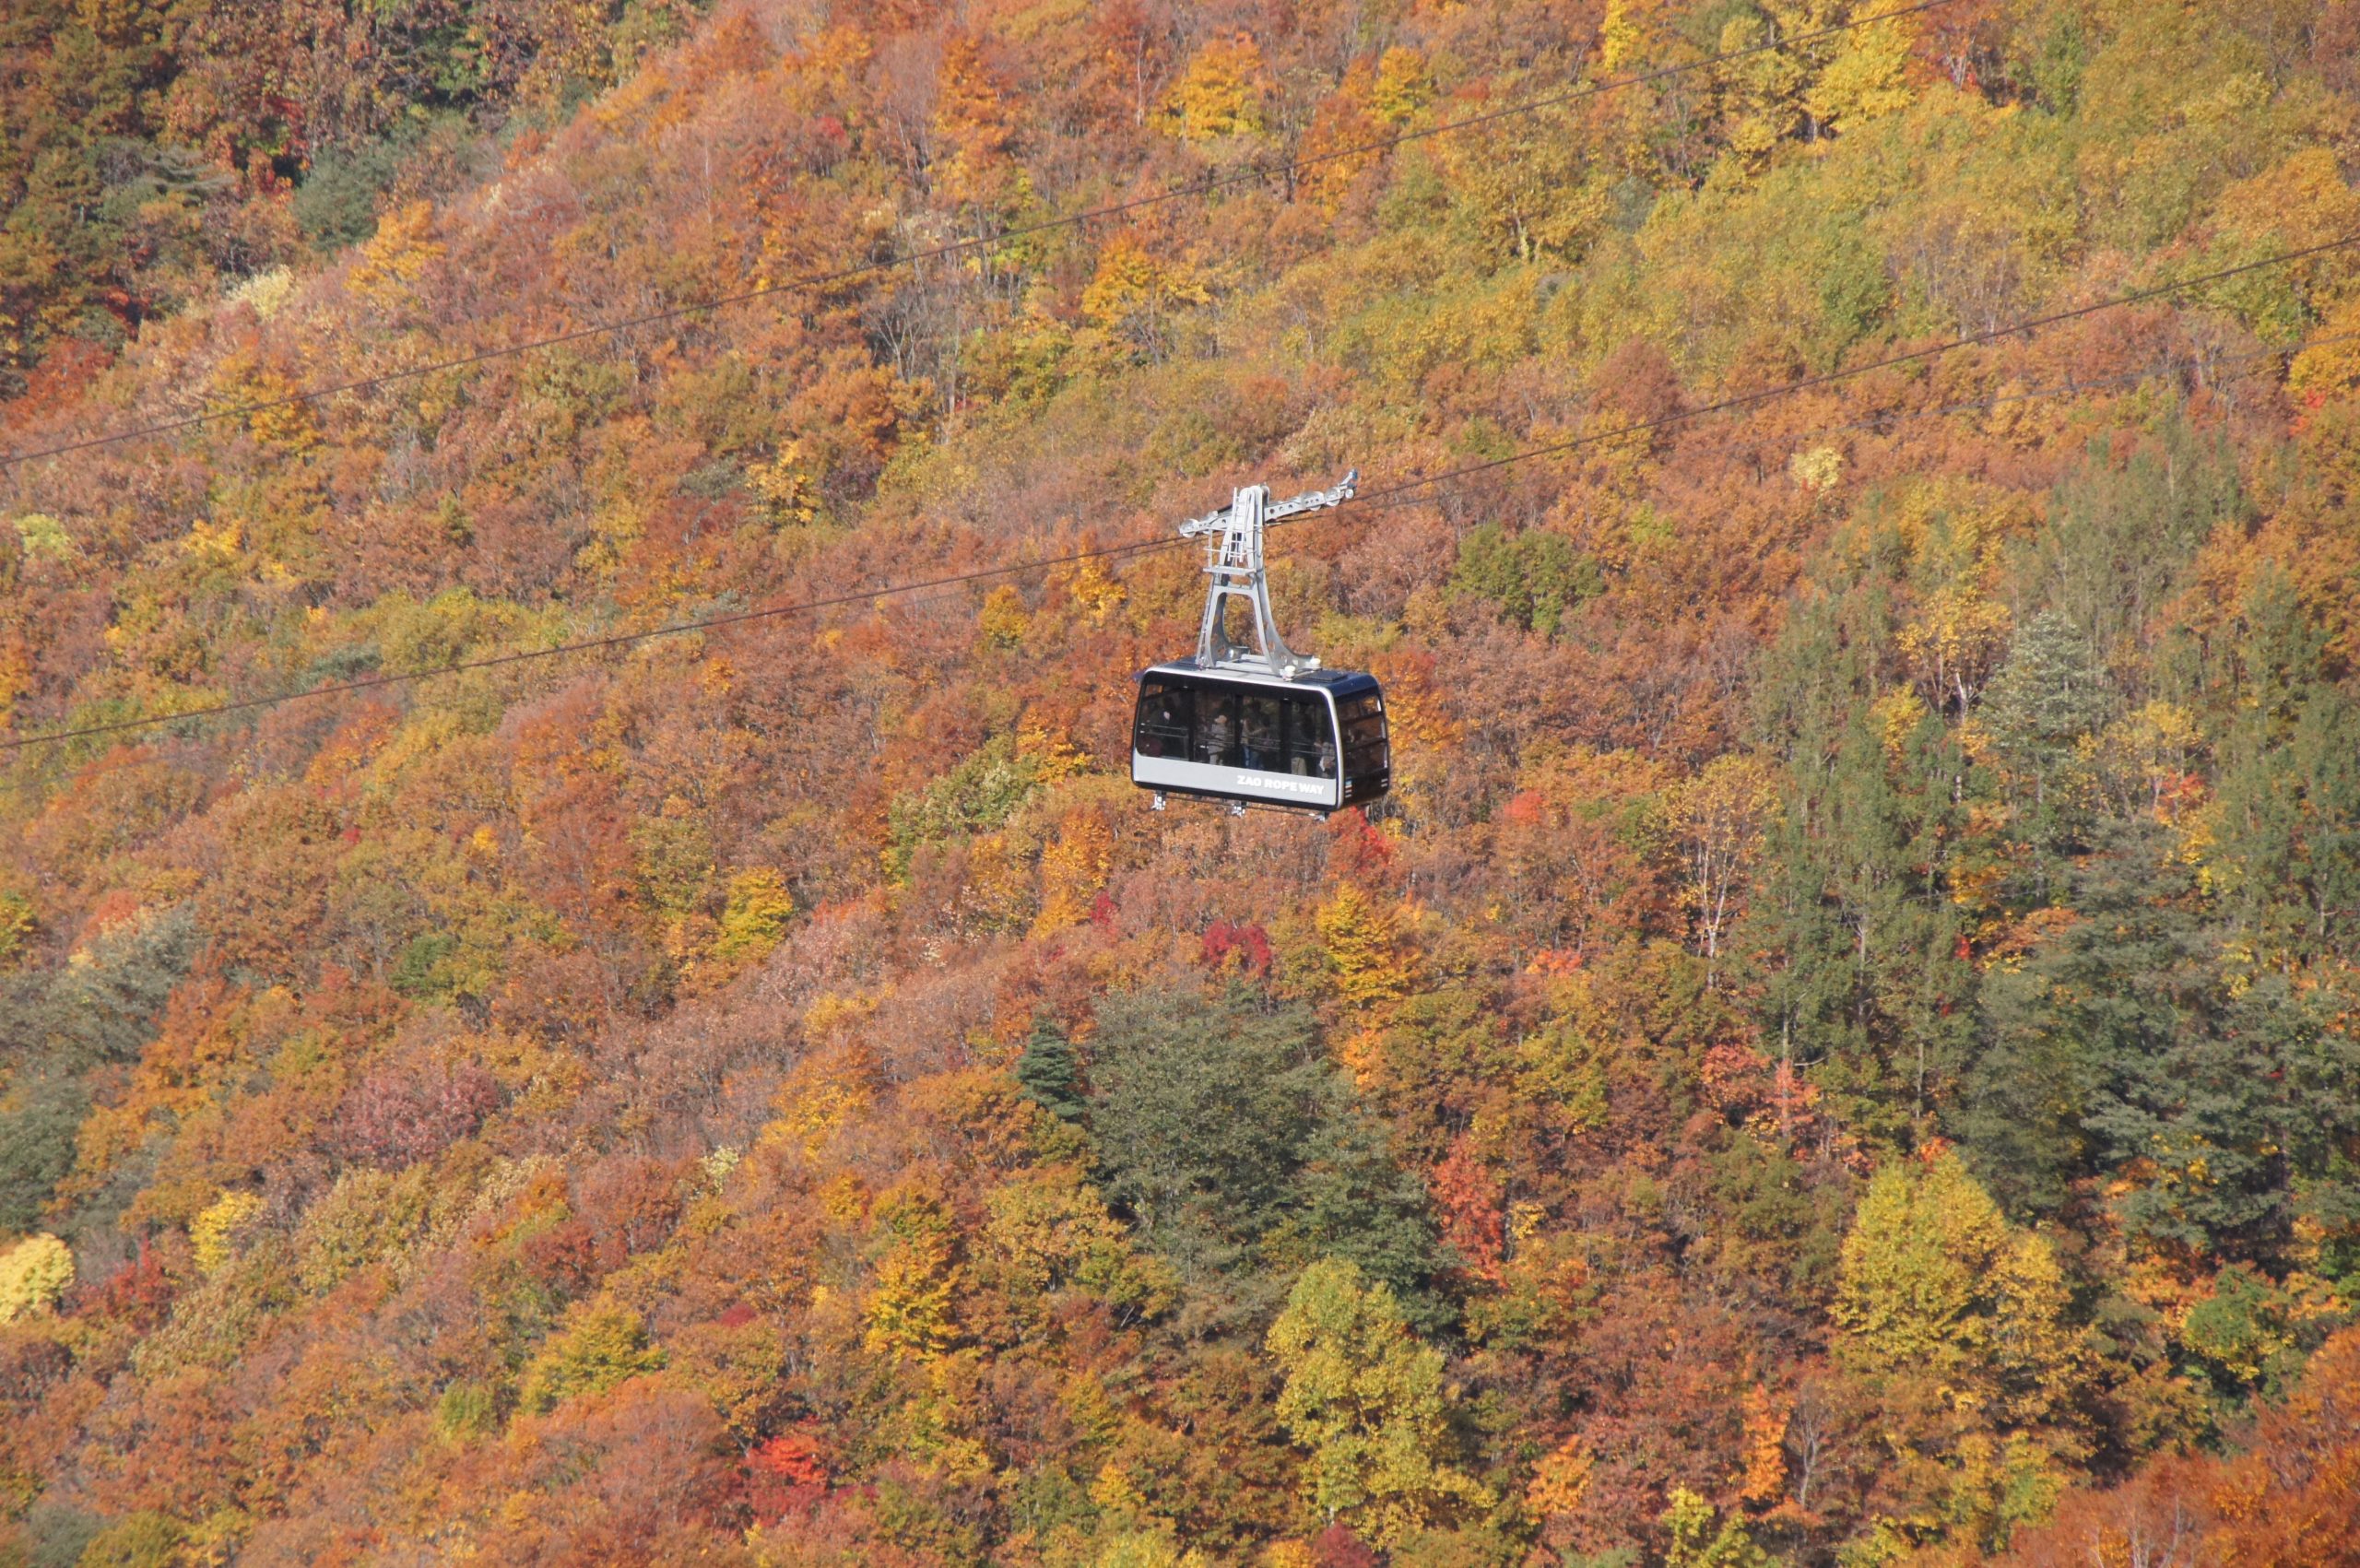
1247 721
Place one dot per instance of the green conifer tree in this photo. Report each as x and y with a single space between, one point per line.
2288 827
2045 700
1050 1071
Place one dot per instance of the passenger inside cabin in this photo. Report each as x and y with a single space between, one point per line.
1261 750
1307 732
1218 731
1164 723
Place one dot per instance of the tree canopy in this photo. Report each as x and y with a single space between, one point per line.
1837 1050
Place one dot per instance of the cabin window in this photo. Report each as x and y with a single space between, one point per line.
1363 718
1262 731
1217 730
1166 713
1311 737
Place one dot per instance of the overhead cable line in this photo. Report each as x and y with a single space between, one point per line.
1399 494
1254 173
591 644
1890 361
1389 496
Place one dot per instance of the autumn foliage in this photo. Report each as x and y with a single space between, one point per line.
1842 1047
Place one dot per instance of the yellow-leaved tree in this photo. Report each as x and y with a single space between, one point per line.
1956 644
1868 78
1761 93
1763 1479
1003 621
1363 1398
1933 1279
1073 870
1719 819
1702 1538
1403 85
33 1274
1525 189
1956 1319
908 1314
1561 1480
394 261
602 1343
214 1232
1221 93
1145 1549
974 124
756 916
835 1082
1369 969
1132 298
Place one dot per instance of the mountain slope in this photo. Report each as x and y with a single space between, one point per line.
1842 1033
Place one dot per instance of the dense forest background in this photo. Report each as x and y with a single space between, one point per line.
1843 1046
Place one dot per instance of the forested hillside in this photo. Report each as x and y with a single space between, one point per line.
1842 1047
152 152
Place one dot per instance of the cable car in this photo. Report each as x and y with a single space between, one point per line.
1249 721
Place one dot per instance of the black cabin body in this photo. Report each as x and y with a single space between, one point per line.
1315 743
